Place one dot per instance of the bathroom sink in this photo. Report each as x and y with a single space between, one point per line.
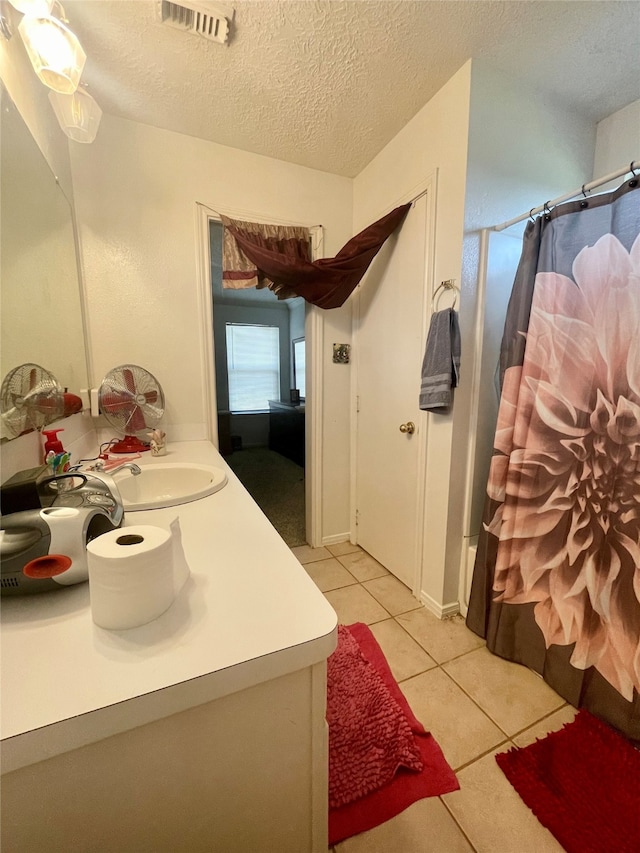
168 484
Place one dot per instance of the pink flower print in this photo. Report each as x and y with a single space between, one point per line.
567 467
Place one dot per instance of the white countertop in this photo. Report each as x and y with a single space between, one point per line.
248 613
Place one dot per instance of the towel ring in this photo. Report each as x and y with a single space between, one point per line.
443 287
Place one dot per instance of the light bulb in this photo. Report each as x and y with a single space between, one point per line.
55 52
78 114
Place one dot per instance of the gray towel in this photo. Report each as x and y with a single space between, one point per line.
441 363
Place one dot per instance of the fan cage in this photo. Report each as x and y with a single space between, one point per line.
132 401
30 398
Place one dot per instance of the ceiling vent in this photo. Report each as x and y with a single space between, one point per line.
208 20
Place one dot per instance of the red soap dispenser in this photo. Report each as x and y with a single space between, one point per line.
52 443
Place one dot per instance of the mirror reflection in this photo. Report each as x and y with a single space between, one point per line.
41 311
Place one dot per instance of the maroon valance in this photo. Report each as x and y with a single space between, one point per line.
239 271
327 282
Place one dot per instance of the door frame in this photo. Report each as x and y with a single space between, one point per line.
427 187
313 330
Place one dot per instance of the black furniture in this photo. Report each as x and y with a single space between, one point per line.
286 430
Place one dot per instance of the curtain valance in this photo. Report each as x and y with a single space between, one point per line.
281 261
239 271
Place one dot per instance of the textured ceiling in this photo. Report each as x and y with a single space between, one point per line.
327 83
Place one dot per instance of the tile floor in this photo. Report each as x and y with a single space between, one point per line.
474 704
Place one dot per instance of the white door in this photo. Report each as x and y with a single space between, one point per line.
389 347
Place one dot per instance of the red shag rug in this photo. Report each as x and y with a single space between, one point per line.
381 759
583 783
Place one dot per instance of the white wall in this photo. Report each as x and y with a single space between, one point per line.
617 141
435 139
523 149
136 189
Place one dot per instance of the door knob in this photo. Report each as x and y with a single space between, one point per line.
409 427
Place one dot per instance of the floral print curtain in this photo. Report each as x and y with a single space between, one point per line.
556 582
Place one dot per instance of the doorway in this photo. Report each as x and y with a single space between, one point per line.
259 355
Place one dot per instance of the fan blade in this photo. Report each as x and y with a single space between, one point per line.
136 421
128 380
46 403
114 401
14 421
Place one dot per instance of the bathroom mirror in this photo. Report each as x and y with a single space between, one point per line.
41 317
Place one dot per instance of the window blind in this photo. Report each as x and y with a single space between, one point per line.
253 364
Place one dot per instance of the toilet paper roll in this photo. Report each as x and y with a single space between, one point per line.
135 574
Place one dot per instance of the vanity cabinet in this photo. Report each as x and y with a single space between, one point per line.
245 773
203 731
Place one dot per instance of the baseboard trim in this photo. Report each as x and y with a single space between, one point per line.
336 539
439 610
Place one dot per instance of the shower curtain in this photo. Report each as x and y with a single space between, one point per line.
556 582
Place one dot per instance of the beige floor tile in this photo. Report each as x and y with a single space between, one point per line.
512 695
493 816
444 639
425 827
461 729
392 594
355 604
329 574
341 548
551 723
306 554
362 566
404 656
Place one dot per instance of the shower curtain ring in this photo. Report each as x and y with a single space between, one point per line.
583 201
531 214
632 170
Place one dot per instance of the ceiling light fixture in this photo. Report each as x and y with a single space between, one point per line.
55 52
78 114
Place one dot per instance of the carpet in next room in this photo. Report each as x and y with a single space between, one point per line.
277 485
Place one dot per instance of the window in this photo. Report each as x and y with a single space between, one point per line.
299 366
253 365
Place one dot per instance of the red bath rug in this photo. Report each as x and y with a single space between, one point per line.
381 760
583 783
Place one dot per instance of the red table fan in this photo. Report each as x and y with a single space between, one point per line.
131 399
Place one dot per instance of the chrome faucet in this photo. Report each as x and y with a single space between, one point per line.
100 468
135 469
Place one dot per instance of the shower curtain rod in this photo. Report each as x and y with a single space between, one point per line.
583 190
